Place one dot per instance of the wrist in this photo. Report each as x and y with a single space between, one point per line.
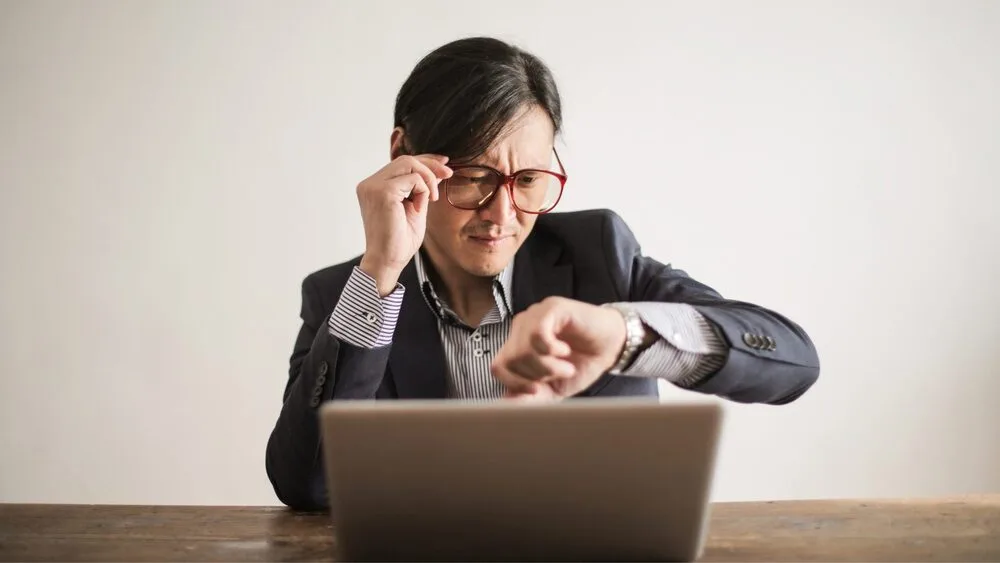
617 339
632 336
385 277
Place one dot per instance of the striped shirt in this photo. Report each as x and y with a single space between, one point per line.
688 349
469 351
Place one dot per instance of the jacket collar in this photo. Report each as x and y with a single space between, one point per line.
502 292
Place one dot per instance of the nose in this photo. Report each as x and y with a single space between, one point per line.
500 210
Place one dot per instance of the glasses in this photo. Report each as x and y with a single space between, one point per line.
473 187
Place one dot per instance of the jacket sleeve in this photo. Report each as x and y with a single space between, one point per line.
321 368
769 358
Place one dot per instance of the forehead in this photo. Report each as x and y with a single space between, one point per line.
527 143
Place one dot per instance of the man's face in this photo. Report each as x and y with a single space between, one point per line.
483 242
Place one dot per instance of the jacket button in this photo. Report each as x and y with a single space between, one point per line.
317 390
323 368
314 402
771 344
751 340
320 380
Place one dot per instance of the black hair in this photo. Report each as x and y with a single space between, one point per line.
461 97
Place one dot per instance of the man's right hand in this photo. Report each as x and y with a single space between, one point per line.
394 204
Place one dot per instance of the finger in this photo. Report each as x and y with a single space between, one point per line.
413 165
545 342
543 337
431 178
542 368
568 387
512 382
413 188
437 164
408 185
431 165
418 201
540 394
440 172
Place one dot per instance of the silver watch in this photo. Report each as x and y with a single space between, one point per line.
635 333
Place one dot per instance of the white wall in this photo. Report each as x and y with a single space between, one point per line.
171 170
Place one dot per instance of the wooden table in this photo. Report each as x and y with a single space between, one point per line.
954 529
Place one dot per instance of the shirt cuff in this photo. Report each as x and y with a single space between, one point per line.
361 317
688 348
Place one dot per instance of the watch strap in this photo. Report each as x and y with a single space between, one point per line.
635 333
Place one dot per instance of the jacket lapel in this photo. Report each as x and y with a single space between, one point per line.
538 273
417 359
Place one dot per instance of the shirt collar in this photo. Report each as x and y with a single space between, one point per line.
502 291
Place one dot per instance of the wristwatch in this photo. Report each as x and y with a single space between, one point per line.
635 333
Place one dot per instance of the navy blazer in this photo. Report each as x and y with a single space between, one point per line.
589 256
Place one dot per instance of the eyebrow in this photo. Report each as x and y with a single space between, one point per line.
492 164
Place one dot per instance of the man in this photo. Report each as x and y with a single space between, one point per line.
469 287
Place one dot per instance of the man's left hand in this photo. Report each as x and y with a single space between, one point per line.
557 348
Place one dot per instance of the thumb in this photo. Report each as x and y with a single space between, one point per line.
416 204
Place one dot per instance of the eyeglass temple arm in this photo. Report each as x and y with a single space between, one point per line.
562 169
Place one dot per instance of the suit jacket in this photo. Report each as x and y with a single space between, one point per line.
590 256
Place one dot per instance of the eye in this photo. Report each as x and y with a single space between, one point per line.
527 179
473 176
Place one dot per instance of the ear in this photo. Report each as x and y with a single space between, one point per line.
397 145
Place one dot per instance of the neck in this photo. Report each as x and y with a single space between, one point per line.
469 296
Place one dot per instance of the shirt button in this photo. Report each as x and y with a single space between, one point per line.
477 337
477 353
370 318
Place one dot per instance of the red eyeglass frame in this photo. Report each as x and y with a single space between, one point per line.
507 180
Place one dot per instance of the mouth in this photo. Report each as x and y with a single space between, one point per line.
490 241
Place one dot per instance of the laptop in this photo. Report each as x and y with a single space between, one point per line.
612 479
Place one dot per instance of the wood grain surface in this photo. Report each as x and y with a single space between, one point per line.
949 529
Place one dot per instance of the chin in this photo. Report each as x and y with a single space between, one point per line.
487 269
488 260
486 266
